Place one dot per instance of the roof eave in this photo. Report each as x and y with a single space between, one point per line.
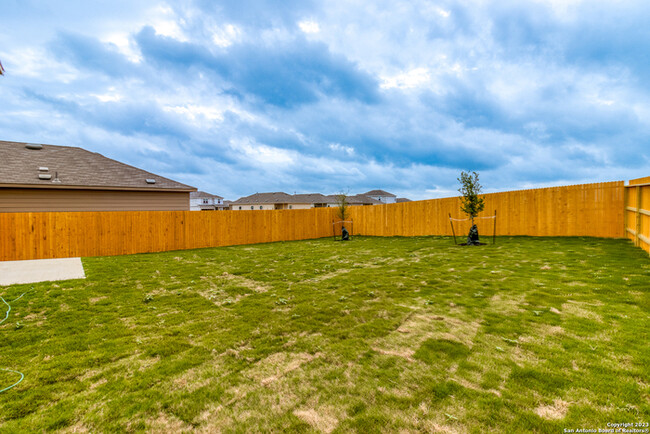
187 189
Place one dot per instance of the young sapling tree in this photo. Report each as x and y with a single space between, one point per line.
470 202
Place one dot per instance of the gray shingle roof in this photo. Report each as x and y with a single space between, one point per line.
379 193
280 197
402 200
76 168
203 195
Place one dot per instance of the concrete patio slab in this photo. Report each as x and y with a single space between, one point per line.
40 270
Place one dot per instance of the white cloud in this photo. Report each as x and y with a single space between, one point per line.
124 45
309 26
337 147
225 36
165 22
257 154
416 77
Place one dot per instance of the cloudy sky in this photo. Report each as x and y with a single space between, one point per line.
238 97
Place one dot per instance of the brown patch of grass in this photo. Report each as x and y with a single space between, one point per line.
76 428
167 423
580 310
507 304
419 326
245 282
557 410
329 275
96 299
322 420
98 383
405 353
469 385
278 365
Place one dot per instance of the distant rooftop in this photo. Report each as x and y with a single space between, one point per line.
203 195
281 197
379 193
29 165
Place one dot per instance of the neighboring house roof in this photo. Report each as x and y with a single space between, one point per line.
203 195
280 197
379 193
359 199
74 168
402 200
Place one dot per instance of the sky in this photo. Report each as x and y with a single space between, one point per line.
239 97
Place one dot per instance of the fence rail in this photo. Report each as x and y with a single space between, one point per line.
599 210
637 218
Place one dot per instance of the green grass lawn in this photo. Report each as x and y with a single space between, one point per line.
378 334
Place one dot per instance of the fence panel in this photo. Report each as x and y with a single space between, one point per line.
589 209
637 212
599 210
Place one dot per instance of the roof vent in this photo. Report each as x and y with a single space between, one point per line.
43 169
56 179
33 146
150 181
44 176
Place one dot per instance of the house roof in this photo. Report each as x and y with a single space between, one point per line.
280 197
358 199
203 195
25 165
402 200
379 193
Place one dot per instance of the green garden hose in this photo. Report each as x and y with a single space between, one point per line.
5 369
15 384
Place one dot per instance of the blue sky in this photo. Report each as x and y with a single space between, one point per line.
328 96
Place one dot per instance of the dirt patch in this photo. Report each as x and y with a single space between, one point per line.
96 299
555 411
421 326
245 282
507 305
329 275
98 383
405 353
580 310
167 423
321 420
278 365
470 385
76 428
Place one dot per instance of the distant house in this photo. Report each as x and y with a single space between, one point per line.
35 177
280 200
381 196
402 200
202 201
359 199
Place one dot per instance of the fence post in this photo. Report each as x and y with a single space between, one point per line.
626 199
638 215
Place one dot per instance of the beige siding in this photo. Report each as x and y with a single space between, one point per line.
42 200
266 206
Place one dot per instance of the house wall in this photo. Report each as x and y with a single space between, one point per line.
43 200
267 206
384 199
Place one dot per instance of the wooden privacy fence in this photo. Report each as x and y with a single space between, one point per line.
596 210
71 234
637 212
578 210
